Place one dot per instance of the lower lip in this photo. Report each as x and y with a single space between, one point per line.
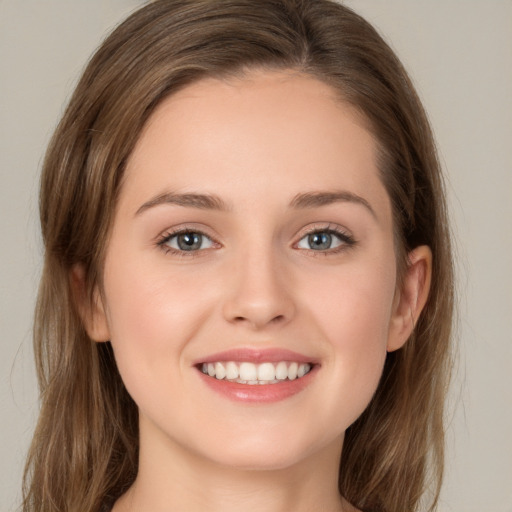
258 393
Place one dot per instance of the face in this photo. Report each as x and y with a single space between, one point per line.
249 285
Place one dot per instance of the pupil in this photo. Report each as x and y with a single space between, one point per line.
320 240
189 241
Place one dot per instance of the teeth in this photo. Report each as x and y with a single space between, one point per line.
248 371
281 371
266 371
253 374
220 371
232 371
292 371
301 371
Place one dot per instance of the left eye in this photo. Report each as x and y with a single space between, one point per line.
323 240
188 241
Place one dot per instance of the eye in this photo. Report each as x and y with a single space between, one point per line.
186 241
325 240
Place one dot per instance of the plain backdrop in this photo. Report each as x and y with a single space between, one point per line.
459 53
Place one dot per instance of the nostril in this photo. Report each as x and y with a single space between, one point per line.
276 319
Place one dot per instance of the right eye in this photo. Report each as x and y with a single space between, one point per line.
185 241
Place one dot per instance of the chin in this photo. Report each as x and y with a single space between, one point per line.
264 451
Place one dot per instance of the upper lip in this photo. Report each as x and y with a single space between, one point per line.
257 355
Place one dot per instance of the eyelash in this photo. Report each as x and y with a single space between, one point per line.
347 241
169 235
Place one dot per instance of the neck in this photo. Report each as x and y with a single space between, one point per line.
172 478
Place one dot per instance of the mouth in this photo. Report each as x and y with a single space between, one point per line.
253 374
257 376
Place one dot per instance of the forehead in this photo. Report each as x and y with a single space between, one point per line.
275 101
261 135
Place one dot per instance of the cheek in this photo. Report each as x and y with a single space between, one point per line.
147 301
354 313
355 304
151 318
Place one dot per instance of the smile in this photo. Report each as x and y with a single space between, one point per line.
256 374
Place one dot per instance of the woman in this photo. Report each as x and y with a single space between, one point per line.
247 292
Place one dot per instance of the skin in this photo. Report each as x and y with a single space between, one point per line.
256 282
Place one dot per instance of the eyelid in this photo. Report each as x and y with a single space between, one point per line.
341 232
162 239
344 235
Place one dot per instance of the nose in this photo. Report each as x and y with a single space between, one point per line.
258 294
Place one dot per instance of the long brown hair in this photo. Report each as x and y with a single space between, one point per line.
85 446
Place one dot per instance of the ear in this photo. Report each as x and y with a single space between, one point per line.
411 297
92 312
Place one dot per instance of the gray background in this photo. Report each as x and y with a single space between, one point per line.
459 53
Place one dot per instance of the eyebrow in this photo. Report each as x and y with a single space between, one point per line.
306 200
201 201
321 198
